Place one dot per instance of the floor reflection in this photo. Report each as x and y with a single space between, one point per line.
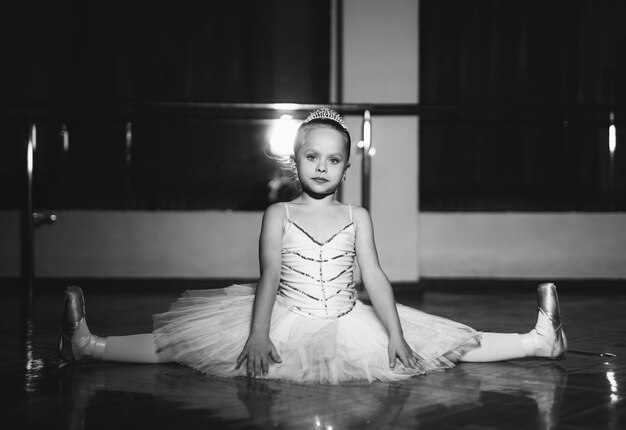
33 366
583 391
457 397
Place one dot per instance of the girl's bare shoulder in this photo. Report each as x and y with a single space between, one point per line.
359 212
275 211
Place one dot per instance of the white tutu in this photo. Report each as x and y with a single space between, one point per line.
322 333
207 330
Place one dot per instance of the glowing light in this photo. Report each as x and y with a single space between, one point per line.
614 387
612 134
282 136
611 377
29 158
612 138
32 144
360 144
66 138
129 133
34 366
33 134
367 130
285 106
366 143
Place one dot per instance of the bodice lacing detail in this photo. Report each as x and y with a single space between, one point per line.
320 295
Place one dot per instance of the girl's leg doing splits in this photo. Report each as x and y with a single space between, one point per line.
76 342
547 339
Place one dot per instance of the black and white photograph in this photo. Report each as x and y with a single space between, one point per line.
313 214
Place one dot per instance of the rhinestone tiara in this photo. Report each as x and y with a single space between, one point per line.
326 113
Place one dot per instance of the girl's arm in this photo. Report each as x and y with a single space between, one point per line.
379 289
259 348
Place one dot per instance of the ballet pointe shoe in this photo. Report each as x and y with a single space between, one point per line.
548 334
76 342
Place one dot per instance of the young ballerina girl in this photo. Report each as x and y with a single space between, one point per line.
302 321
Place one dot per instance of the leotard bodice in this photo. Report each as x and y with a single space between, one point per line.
317 277
321 331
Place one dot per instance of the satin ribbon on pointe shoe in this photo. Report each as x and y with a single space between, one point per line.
548 305
71 348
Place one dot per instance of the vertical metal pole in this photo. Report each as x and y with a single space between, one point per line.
65 139
612 146
336 60
27 227
336 51
367 162
128 161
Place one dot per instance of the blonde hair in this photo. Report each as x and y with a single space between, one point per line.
309 125
322 117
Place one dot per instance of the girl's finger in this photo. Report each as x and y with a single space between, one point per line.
415 359
275 356
240 359
405 360
257 366
409 360
392 359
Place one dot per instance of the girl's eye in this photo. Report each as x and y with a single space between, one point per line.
310 157
334 160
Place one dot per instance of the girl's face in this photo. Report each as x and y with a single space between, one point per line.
322 160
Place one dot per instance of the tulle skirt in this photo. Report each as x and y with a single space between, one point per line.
207 329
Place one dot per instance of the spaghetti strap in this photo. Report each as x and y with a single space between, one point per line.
350 209
286 209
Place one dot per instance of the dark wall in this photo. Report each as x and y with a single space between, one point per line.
529 86
87 65
234 51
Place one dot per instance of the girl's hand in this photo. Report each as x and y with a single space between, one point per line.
258 351
399 348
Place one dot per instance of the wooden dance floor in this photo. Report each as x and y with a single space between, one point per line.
585 391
